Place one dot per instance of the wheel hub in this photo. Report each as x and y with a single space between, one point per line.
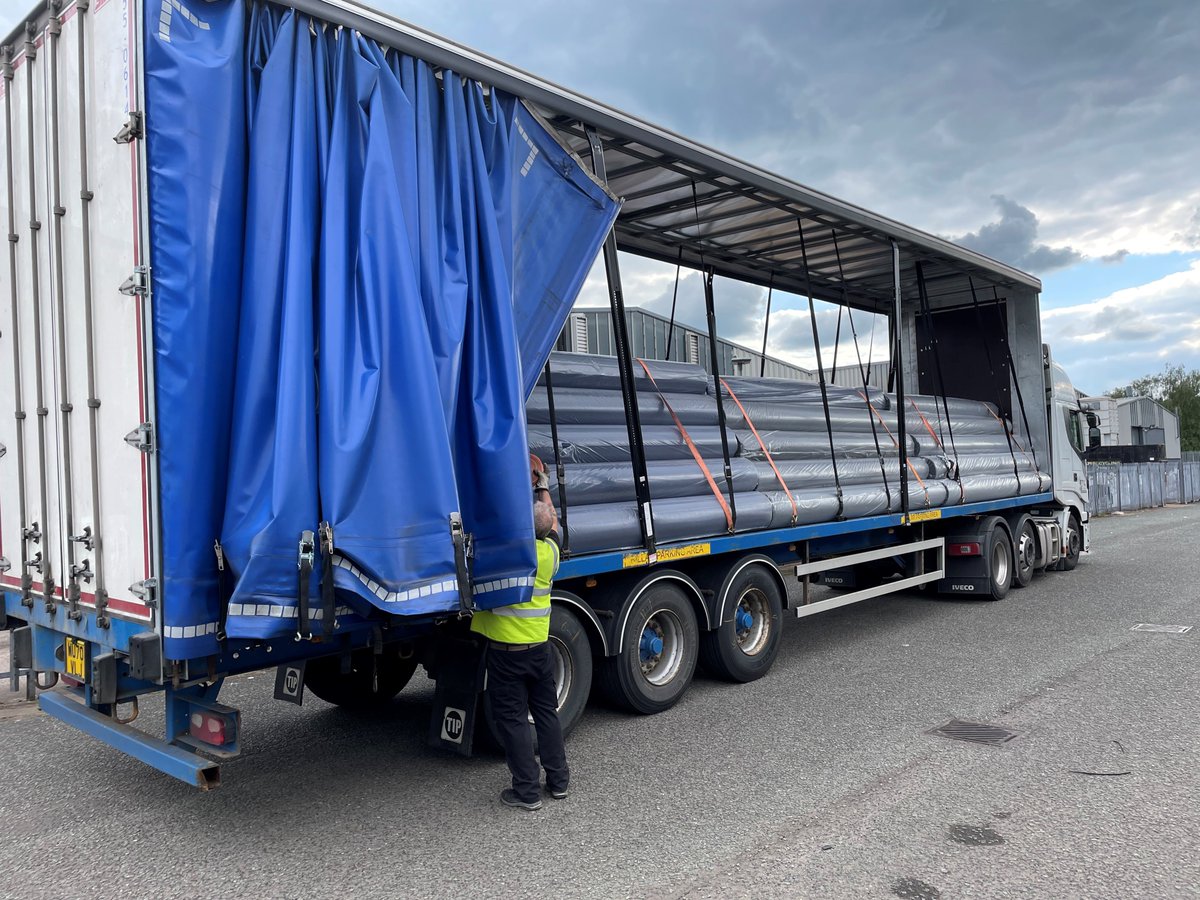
661 648
752 622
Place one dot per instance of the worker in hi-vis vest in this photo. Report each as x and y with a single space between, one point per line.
520 672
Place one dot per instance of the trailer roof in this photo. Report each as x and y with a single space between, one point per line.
687 202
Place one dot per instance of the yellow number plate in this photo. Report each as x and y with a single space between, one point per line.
75 653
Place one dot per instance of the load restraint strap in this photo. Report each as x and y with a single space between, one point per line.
763 447
687 439
895 443
223 592
559 470
304 563
328 603
812 318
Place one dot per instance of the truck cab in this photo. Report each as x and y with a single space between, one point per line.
1070 429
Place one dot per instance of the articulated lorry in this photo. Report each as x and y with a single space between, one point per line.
282 286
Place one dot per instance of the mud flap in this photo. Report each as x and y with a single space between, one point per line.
459 669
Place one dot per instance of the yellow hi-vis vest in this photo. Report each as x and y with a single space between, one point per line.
524 623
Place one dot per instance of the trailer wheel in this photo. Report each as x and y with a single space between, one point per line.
371 683
571 658
571 653
1025 554
658 654
743 647
1000 562
1074 542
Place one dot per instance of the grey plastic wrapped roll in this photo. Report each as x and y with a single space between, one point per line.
609 443
785 445
994 463
814 506
600 373
930 405
613 482
787 390
581 406
614 526
799 474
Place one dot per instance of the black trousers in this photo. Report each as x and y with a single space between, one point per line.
519 683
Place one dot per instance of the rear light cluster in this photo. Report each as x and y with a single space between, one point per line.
207 727
964 548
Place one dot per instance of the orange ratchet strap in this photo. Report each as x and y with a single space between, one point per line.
1013 438
962 493
687 439
766 452
895 443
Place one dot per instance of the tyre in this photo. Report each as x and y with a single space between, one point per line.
571 652
1074 542
660 647
1025 554
743 646
571 656
372 682
999 562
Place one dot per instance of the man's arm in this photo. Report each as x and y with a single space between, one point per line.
542 494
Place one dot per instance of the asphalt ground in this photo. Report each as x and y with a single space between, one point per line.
820 780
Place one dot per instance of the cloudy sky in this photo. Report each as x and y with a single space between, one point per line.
1061 136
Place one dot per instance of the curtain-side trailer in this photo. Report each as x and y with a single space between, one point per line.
280 279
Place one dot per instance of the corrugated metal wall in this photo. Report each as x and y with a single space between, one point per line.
648 340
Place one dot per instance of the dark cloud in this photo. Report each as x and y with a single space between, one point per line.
1116 257
1013 239
1191 235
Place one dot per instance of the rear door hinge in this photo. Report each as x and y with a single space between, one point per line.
141 438
146 591
137 284
133 129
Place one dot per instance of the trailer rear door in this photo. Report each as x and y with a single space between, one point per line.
75 494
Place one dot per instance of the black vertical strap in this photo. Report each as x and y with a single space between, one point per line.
864 372
328 600
1012 369
674 297
927 313
992 374
304 564
898 375
223 590
812 317
709 308
559 470
633 420
762 363
837 340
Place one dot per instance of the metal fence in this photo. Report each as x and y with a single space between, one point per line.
1127 486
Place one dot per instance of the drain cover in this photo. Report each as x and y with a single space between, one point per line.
976 732
1163 629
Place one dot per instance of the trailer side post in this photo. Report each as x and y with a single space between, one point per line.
710 312
633 419
898 368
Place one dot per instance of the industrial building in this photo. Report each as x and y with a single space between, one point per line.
1135 422
589 330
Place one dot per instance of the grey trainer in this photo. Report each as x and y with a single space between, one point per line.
509 798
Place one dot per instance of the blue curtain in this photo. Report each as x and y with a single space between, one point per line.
392 227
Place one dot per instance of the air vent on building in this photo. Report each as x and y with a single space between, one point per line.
579 333
693 347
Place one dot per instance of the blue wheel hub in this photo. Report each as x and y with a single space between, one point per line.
651 645
743 620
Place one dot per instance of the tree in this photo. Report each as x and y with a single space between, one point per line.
1178 389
